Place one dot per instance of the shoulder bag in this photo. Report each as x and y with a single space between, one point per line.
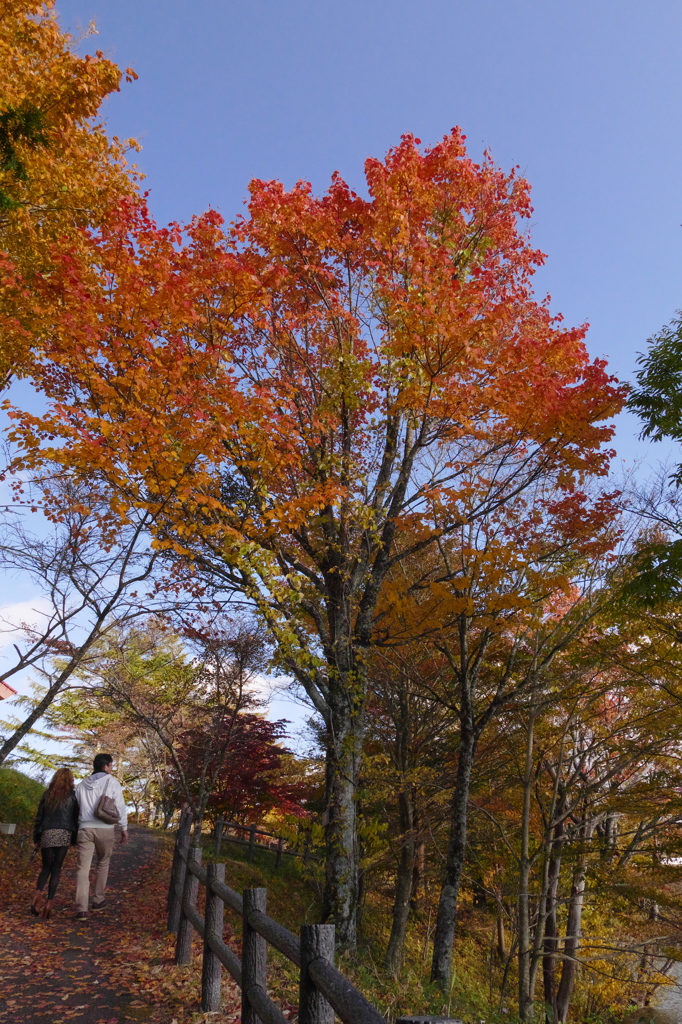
106 809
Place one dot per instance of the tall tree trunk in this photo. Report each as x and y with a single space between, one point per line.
569 970
551 943
535 957
345 735
418 868
404 880
445 922
500 934
525 998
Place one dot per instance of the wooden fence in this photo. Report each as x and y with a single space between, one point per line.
323 990
278 847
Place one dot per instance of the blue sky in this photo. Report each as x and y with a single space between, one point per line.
584 97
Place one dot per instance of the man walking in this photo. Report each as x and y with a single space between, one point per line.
96 837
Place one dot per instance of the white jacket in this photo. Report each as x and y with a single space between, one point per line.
88 792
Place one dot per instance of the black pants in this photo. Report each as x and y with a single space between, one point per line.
53 858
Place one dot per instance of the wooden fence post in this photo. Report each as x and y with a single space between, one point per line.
252 840
317 941
177 880
254 954
218 837
212 969
278 859
183 947
306 848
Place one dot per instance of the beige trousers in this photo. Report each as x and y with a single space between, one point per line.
91 842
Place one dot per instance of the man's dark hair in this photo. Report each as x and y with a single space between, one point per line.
100 762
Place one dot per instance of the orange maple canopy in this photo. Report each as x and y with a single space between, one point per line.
383 358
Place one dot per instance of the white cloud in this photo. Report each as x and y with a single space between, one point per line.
12 616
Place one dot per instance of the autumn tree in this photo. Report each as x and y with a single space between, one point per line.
332 385
92 580
58 169
511 593
251 779
408 771
85 724
588 789
188 692
177 729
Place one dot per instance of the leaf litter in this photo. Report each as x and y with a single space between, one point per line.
117 967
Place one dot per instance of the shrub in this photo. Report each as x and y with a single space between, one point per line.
19 796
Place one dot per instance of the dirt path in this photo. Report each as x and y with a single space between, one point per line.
667 1007
669 1000
66 970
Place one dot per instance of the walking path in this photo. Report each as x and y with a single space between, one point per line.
667 1007
115 968
669 1000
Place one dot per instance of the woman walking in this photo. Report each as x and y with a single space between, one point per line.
54 831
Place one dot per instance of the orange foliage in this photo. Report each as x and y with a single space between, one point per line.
66 179
321 347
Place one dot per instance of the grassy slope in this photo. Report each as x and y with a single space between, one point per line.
294 897
19 796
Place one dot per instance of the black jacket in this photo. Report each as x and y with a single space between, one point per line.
64 815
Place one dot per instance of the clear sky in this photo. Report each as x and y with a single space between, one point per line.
585 97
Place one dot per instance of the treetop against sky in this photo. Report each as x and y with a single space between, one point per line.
584 98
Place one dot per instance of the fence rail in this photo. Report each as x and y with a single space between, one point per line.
278 849
323 990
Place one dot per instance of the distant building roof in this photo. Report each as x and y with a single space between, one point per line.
6 690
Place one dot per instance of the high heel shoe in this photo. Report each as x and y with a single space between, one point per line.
34 910
47 910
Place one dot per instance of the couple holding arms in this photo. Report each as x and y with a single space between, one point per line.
84 816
